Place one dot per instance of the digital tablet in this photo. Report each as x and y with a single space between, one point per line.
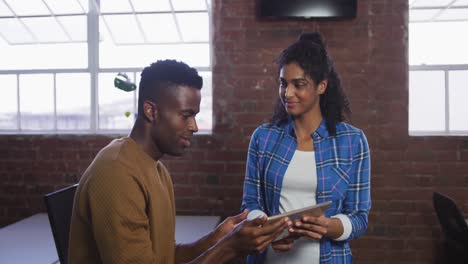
315 210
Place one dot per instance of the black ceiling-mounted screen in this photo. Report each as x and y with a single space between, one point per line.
308 8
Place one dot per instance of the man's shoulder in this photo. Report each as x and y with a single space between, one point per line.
124 151
164 175
110 154
110 160
161 168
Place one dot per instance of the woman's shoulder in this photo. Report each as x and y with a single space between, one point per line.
346 133
268 128
345 128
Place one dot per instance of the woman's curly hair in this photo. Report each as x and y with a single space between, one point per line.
310 54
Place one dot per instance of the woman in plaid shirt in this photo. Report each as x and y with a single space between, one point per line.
306 155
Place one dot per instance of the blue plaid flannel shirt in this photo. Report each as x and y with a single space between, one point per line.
343 177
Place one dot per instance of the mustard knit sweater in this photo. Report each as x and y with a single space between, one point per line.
124 210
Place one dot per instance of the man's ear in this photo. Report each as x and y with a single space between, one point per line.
322 87
150 110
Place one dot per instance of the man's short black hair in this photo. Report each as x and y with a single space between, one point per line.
165 74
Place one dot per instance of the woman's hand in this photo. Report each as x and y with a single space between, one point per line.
284 244
312 227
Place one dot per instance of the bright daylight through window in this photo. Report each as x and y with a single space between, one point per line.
60 58
438 63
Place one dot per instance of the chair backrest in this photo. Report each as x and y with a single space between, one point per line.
451 219
59 209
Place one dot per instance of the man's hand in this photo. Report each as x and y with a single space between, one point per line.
245 237
253 237
228 224
188 252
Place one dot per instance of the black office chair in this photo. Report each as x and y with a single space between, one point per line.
454 227
59 209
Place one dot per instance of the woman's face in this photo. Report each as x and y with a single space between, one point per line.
298 91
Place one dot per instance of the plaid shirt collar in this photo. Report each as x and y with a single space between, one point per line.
321 132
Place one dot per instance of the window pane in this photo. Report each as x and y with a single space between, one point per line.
454 14
159 27
424 48
75 26
108 6
461 3
195 55
37 101
137 78
47 56
8 102
154 5
65 6
4 11
182 5
458 85
85 4
14 32
431 2
123 28
46 29
422 15
426 101
205 117
73 101
194 26
28 7
116 107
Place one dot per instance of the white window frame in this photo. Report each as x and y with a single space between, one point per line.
446 68
94 70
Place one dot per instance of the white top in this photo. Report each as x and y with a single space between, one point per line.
299 190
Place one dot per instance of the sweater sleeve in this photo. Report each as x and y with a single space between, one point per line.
118 218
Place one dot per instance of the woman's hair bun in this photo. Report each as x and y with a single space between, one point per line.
312 37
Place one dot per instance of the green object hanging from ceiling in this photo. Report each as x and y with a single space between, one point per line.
122 82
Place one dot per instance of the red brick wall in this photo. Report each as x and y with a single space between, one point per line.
370 53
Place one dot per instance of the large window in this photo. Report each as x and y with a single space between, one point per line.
59 59
438 62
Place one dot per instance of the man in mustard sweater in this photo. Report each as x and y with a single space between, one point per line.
124 209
